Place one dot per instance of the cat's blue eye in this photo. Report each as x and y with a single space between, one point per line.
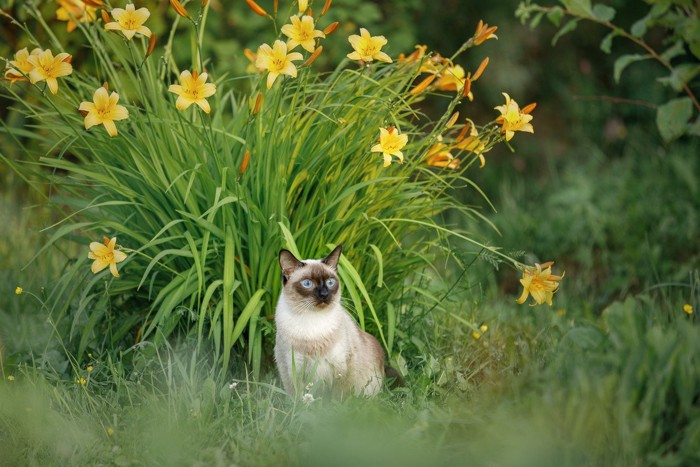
307 283
330 282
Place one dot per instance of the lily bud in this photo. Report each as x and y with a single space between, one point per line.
528 108
423 85
313 56
257 9
326 6
481 69
303 5
105 17
151 45
244 164
331 28
105 85
258 103
452 120
179 9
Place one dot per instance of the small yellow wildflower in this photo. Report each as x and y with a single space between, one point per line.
367 47
473 144
390 144
20 66
47 68
110 431
103 111
484 328
539 282
301 32
513 119
440 156
90 368
19 290
252 56
688 308
105 255
476 335
10 378
129 21
81 381
74 12
484 33
277 61
452 79
193 89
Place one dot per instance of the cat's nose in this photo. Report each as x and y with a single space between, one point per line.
322 292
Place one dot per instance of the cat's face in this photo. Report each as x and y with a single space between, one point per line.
310 284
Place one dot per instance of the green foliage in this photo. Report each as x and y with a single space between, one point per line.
203 224
679 22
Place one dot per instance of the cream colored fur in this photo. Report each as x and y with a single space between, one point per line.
325 347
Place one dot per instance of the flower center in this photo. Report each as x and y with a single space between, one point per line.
278 63
130 23
106 258
369 49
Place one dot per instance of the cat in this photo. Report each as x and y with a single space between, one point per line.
317 342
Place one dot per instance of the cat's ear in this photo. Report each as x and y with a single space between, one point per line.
288 263
332 259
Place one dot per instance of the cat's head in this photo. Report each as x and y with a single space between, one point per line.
311 283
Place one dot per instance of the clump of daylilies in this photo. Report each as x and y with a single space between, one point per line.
455 144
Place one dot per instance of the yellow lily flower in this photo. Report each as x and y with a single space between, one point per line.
20 65
301 32
74 12
390 144
440 156
129 21
452 79
513 119
484 33
105 255
368 48
277 61
103 111
539 282
193 89
47 68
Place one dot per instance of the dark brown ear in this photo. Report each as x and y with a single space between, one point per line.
332 259
288 263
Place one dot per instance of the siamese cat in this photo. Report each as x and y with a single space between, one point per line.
318 343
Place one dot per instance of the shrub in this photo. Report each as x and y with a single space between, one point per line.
194 205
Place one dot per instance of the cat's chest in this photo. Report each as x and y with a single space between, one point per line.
311 333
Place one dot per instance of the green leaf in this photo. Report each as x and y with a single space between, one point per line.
603 12
606 43
674 51
680 76
639 28
568 27
624 61
555 15
579 7
672 118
